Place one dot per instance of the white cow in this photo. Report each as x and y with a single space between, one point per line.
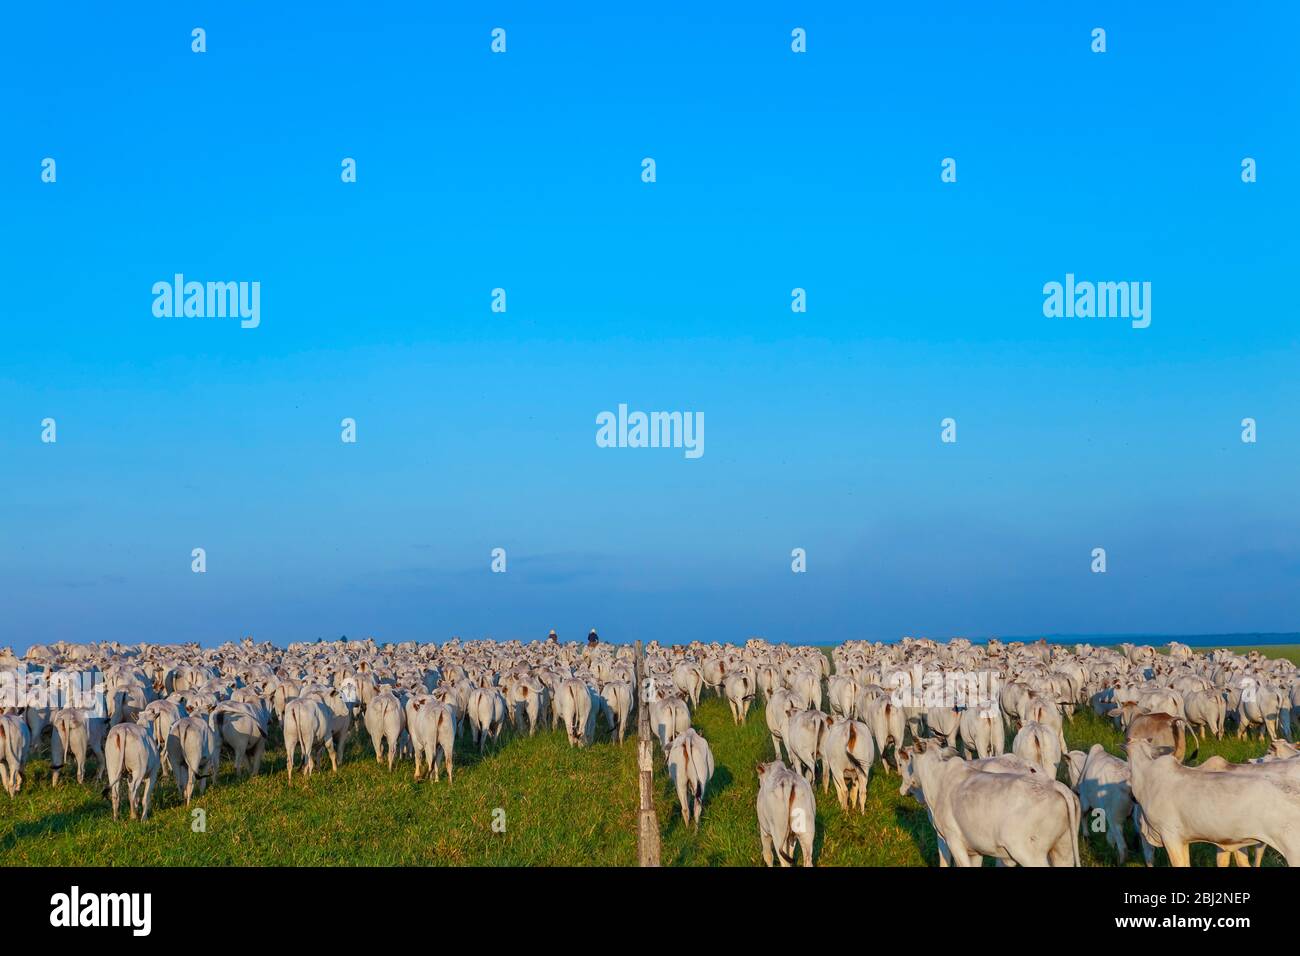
243 728
1231 809
888 723
76 731
1040 745
690 767
1205 708
806 686
739 689
577 711
1023 819
1104 783
129 751
307 726
668 718
15 740
432 727
841 692
384 722
617 696
195 755
787 814
486 712
803 741
161 714
780 705
981 731
688 679
847 754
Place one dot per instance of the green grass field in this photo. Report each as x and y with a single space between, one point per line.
559 806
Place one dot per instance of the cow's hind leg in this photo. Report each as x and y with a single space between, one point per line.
146 796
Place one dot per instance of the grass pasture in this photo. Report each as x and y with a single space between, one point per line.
561 807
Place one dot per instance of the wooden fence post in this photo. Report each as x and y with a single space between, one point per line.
647 819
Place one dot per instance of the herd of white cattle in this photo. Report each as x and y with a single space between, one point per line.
938 715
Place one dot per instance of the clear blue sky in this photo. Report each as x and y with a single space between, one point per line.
775 170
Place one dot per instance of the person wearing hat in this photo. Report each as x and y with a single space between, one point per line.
553 637
592 639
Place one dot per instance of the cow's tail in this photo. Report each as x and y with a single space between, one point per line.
853 746
115 757
1192 730
59 754
1072 811
443 715
186 737
575 731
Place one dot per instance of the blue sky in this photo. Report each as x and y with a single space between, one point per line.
522 171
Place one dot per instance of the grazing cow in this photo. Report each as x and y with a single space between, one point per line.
486 712
195 754
1023 819
888 725
787 814
15 740
125 703
432 727
129 751
806 686
668 718
1231 809
981 732
943 723
739 688
339 701
307 726
616 697
712 671
160 715
1260 707
690 767
688 679
243 728
1040 745
384 721
841 692
804 732
76 731
847 754
527 698
1104 783
577 711
780 705
1206 709
1042 711
769 680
